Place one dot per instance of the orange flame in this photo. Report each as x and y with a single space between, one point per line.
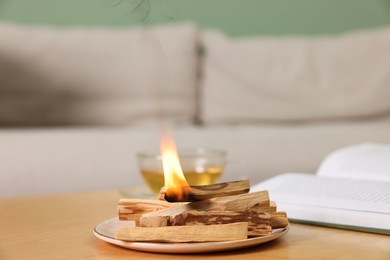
174 178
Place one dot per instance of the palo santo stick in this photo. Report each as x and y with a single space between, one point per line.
279 219
203 192
258 222
206 233
250 201
132 209
272 206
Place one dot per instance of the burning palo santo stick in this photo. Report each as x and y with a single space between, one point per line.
203 192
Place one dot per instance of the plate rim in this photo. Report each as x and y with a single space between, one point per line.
193 247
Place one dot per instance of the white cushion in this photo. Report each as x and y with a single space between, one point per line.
262 79
97 76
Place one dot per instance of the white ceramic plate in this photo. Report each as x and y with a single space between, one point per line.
106 232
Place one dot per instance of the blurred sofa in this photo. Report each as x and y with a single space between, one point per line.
77 104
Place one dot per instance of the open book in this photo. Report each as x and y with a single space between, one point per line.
351 190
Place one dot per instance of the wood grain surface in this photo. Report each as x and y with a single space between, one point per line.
60 227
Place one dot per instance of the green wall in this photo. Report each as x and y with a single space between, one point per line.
236 17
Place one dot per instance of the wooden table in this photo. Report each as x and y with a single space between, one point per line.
60 227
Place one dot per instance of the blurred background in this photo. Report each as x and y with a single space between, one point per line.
246 17
277 84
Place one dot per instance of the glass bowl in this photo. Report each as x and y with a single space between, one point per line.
200 166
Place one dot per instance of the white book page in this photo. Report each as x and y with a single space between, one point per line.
310 190
336 216
365 162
